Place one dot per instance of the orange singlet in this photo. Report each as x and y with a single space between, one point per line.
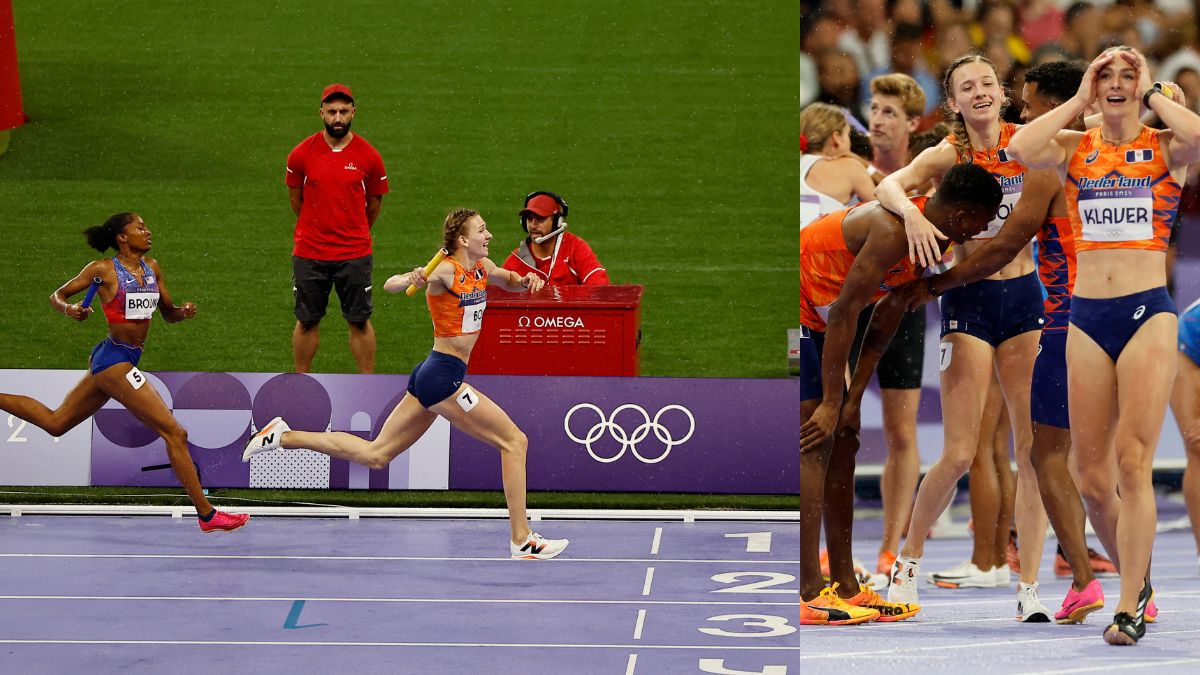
1008 172
459 311
825 261
1121 196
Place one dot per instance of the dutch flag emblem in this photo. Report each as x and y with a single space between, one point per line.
1002 154
1144 155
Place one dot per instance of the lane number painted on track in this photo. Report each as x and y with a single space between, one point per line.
717 666
769 579
775 626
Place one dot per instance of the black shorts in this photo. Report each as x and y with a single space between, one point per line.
313 279
902 362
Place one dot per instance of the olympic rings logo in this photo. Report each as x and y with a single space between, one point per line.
629 441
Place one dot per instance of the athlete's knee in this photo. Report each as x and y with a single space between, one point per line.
377 460
958 462
308 326
516 444
57 425
175 436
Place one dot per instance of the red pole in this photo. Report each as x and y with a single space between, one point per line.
12 112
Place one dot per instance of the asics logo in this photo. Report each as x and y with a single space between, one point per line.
629 441
1140 311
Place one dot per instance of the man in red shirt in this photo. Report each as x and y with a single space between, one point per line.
336 182
558 256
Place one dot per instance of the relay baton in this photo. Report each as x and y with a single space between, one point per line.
91 293
437 258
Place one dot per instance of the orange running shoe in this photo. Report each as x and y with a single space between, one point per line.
888 611
884 566
827 609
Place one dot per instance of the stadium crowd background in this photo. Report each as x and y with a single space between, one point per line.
845 43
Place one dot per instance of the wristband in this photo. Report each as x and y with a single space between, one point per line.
1156 88
929 287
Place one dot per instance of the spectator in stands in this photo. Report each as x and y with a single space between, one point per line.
997 23
559 257
1081 31
839 80
907 58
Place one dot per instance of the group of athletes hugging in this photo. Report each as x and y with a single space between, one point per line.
1087 370
130 288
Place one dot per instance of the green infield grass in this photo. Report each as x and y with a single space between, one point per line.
669 127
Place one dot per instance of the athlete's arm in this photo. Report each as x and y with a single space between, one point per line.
1027 217
892 192
58 299
511 281
296 197
398 283
885 319
1046 142
166 306
883 247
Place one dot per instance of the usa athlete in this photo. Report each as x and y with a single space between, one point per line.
457 298
131 288
1122 181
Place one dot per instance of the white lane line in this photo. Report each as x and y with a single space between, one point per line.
895 651
378 558
657 540
632 662
292 598
489 645
637 627
649 580
1120 666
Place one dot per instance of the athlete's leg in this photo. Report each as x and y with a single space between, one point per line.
362 345
406 423
141 398
1185 404
812 499
1092 398
902 468
1008 486
839 513
985 483
1145 372
1014 364
1060 497
487 422
965 366
306 337
84 399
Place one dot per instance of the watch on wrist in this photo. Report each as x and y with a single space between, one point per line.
1156 88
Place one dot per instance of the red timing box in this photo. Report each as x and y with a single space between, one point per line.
560 330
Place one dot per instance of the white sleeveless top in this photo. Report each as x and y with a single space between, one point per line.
814 204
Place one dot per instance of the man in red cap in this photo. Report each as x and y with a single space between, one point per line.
336 182
558 256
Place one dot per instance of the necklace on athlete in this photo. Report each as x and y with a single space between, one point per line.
1120 142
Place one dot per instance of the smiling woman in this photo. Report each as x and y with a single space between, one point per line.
1122 183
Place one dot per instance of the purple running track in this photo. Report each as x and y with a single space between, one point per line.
144 594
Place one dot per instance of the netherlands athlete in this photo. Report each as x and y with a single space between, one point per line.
1123 184
457 297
